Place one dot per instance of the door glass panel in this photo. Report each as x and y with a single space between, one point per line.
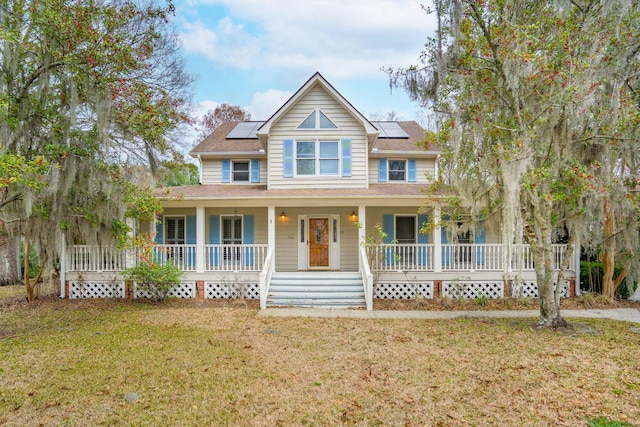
406 229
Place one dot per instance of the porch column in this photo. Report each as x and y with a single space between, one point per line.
362 220
576 268
200 226
271 235
437 241
63 265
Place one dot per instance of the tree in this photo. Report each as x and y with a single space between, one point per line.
88 89
535 110
222 113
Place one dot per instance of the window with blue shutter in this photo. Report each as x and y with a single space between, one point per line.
247 235
226 171
346 157
447 252
382 170
411 172
255 171
190 239
388 227
287 158
480 238
423 239
214 239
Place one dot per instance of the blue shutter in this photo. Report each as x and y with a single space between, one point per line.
382 170
480 238
255 170
388 226
447 253
411 170
247 236
226 171
190 239
160 230
423 239
214 239
287 149
346 157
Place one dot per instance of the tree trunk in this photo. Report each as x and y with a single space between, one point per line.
9 258
27 283
608 256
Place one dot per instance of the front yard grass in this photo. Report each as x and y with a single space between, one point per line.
102 362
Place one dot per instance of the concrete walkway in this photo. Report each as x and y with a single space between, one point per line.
623 314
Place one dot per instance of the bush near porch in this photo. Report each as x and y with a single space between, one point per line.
79 362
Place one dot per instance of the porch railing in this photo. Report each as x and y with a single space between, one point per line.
367 278
217 257
457 257
235 257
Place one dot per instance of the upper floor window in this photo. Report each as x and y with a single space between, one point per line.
317 158
397 170
240 171
317 120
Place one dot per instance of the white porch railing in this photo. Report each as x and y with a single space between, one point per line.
184 256
90 258
217 257
457 257
235 257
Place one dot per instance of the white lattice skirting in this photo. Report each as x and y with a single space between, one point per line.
403 290
183 290
530 290
472 290
96 289
246 290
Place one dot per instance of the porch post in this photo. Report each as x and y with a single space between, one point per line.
200 226
437 241
63 265
362 230
576 268
271 235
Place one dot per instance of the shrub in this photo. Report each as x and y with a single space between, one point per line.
591 278
154 277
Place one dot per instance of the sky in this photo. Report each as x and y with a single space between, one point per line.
256 53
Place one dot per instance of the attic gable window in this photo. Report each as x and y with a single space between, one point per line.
317 120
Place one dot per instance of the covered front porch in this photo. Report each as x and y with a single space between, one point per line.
235 251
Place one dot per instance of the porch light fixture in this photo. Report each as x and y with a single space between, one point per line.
283 216
354 217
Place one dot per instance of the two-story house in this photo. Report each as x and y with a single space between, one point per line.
287 208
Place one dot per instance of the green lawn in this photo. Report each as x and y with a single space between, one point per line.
193 363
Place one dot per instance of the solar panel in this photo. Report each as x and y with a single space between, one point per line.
245 130
390 130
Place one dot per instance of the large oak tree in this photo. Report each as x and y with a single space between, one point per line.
538 116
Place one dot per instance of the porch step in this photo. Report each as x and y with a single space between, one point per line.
316 289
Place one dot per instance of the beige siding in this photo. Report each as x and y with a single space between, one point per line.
212 172
288 234
425 169
348 126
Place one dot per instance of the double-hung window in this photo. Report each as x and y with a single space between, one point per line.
240 171
317 158
397 170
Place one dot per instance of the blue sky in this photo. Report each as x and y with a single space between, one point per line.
256 53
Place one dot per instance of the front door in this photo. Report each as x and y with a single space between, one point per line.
318 242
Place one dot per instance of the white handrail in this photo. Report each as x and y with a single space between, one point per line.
367 278
265 278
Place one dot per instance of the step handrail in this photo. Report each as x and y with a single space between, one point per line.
367 278
265 278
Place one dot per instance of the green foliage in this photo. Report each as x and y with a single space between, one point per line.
16 169
606 422
591 274
155 276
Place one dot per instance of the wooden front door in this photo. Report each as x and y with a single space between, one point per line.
318 242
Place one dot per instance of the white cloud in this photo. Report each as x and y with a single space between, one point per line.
264 104
342 39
